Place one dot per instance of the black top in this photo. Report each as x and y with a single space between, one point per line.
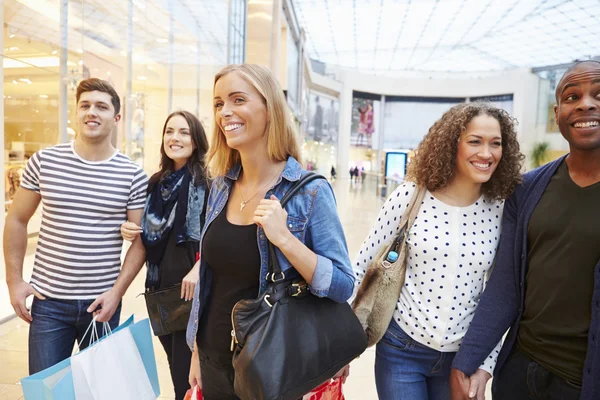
177 261
563 238
231 251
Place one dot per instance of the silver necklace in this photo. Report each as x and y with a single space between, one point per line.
244 202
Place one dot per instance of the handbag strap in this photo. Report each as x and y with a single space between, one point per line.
408 217
275 272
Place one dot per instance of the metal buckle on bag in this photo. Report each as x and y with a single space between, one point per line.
266 298
301 286
272 279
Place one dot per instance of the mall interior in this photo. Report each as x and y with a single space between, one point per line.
364 81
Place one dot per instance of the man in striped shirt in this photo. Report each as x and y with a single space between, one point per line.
87 189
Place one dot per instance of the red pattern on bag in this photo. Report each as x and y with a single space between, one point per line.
328 391
189 395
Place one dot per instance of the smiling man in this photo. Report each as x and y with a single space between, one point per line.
87 190
546 282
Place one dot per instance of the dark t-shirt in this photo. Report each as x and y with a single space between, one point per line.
563 249
231 251
177 261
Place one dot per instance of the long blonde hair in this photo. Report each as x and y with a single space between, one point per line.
282 140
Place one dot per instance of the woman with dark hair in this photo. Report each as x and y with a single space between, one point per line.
468 163
171 226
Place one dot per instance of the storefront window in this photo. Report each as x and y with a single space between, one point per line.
159 56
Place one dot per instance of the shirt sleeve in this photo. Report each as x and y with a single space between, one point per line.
383 231
137 192
490 362
333 274
31 176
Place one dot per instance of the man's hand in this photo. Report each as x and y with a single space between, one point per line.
477 385
19 292
108 302
459 385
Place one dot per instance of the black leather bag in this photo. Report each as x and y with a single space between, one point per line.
167 311
288 341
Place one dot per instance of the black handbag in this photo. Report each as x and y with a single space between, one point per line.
288 341
167 311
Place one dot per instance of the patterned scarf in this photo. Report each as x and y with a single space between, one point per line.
166 210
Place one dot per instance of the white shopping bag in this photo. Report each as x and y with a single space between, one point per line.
111 369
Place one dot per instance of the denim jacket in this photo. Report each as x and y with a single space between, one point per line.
312 218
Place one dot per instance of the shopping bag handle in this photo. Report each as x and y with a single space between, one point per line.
106 331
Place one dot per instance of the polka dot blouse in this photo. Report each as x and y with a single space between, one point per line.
451 250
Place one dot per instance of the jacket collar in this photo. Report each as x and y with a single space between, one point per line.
291 172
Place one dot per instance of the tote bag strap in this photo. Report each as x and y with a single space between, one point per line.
408 217
275 274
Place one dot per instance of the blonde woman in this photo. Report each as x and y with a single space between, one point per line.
254 160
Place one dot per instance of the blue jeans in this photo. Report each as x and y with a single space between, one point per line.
408 370
55 327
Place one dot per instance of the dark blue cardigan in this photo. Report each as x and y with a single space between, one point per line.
502 302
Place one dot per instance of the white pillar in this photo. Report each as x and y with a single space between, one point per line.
63 101
2 188
128 102
171 56
344 132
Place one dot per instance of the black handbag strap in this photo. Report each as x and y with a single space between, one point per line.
275 274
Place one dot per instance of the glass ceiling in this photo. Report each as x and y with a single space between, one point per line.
388 36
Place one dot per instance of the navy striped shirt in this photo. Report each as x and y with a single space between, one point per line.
84 204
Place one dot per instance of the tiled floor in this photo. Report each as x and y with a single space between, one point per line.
357 205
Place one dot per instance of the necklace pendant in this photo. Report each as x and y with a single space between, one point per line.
242 205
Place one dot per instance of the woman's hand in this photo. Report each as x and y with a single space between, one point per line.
477 385
343 373
188 284
272 218
195 378
130 231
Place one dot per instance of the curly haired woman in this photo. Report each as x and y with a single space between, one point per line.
469 162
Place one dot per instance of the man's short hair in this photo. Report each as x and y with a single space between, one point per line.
95 84
571 69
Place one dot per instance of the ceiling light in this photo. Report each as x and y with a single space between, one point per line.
162 40
44 96
142 78
25 80
54 51
27 62
80 62
12 35
15 82
14 48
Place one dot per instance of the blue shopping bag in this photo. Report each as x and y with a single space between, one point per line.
143 339
56 382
